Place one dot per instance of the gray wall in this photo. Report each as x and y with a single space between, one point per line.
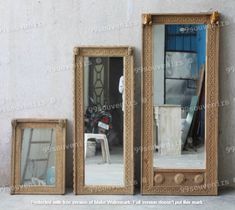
37 39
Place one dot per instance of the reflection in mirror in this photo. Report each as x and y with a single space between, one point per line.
37 160
103 138
179 96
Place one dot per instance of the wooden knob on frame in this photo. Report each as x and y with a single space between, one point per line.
159 178
179 178
198 179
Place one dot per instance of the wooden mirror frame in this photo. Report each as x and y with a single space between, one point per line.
196 181
79 162
60 127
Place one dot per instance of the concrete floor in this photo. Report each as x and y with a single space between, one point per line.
226 201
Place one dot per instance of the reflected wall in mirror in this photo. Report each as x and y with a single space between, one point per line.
179 58
180 113
38 157
103 120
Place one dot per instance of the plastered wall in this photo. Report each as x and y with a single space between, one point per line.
36 55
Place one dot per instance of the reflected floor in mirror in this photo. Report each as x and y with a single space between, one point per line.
186 160
99 172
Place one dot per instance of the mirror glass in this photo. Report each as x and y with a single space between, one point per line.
179 58
37 159
103 120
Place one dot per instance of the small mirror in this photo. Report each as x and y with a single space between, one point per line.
104 120
38 157
179 56
37 160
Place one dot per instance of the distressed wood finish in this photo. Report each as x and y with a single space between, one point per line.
79 172
60 127
181 181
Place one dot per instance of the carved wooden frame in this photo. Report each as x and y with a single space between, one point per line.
181 181
60 127
79 172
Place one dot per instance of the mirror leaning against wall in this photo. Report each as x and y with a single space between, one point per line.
103 120
38 156
180 116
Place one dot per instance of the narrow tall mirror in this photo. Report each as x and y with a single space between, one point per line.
103 94
103 124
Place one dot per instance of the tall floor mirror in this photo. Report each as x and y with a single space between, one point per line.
180 116
103 123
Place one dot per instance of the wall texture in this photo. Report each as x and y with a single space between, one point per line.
36 54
